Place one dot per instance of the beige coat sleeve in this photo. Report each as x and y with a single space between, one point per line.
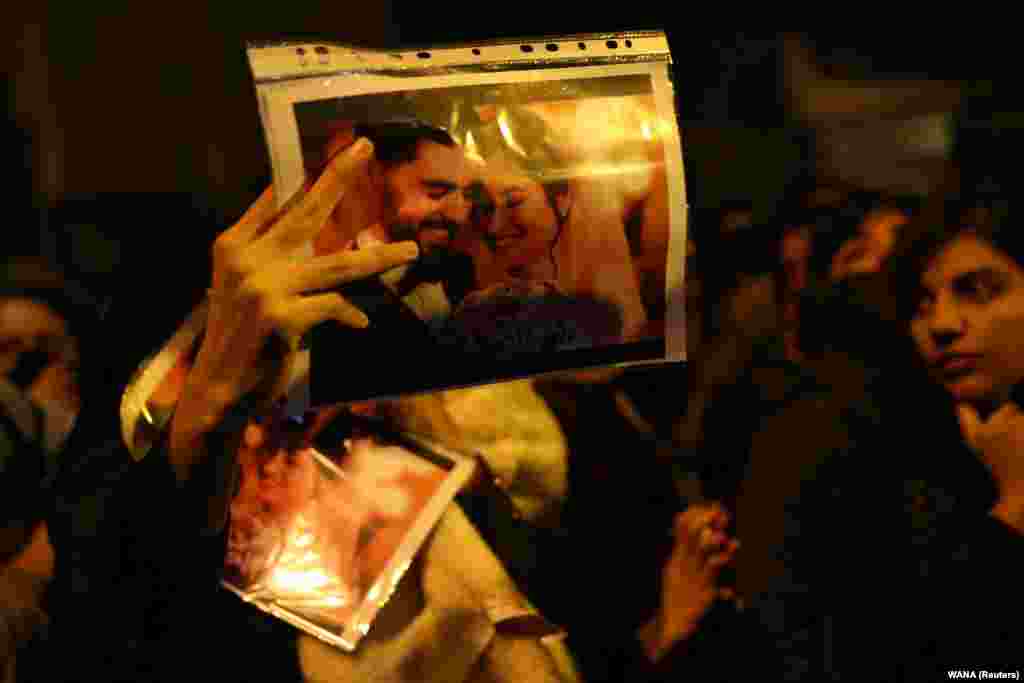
520 438
447 622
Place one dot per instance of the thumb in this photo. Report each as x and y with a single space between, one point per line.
1007 412
679 526
372 236
970 422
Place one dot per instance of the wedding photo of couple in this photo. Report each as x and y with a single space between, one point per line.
542 215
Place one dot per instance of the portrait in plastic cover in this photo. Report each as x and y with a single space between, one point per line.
548 206
321 536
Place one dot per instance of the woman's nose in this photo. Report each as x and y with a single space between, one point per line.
947 322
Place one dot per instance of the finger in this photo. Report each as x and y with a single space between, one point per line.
724 555
727 594
371 237
710 518
310 311
716 563
713 541
1006 412
255 435
696 524
256 218
301 224
716 509
360 208
720 518
970 422
692 525
327 272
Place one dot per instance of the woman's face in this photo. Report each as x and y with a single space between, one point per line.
523 227
969 326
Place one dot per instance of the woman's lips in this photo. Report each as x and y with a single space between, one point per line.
508 238
957 365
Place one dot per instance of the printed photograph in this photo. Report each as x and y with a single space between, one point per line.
542 214
314 532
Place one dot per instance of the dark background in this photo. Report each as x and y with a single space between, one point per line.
138 137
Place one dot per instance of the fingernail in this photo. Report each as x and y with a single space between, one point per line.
410 250
362 149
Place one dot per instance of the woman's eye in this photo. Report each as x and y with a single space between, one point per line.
979 287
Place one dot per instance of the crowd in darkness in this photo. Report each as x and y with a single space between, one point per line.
831 488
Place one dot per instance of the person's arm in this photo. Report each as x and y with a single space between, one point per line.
521 442
130 548
697 628
689 583
785 630
454 622
472 578
593 254
987 551
998 440
726 644
261 305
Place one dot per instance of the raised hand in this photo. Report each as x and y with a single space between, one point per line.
689 584
267 293
999 442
